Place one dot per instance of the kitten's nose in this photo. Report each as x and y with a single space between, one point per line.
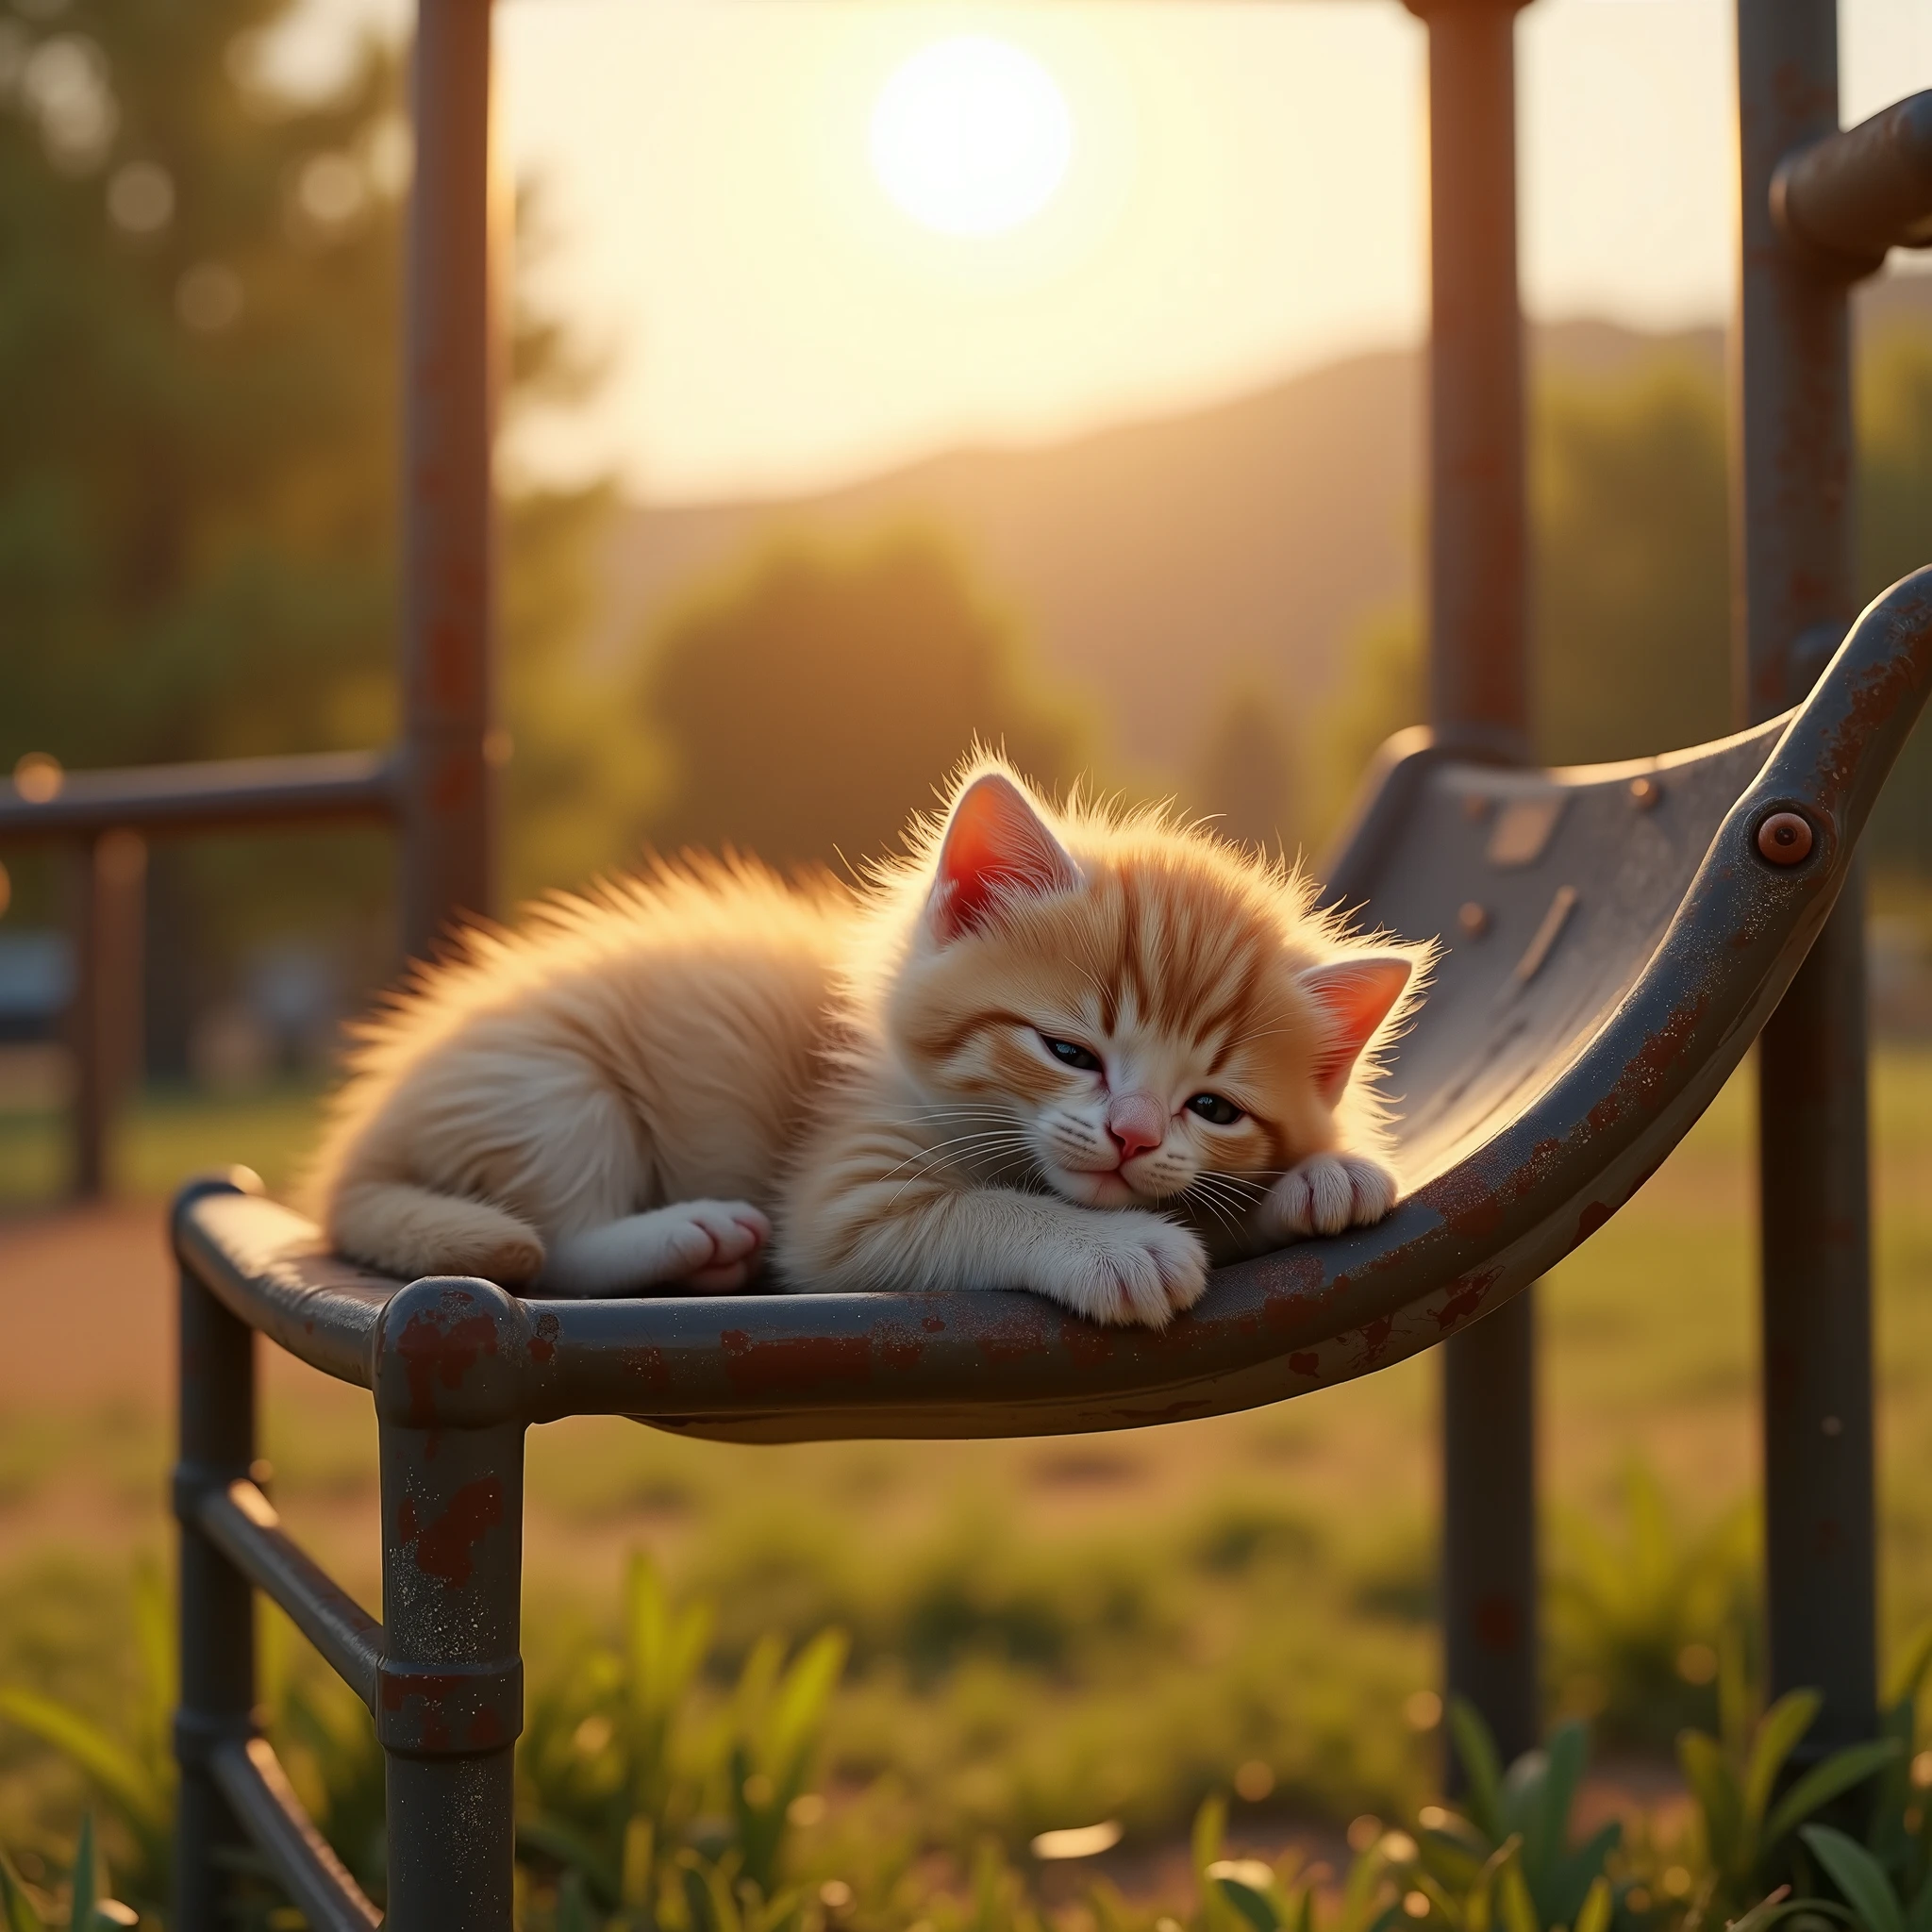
1135 1123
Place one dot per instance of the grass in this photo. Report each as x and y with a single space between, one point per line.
171 1133
1046 1633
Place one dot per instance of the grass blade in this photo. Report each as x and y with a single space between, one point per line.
1478 1750
1858 1876
16 1902
120 1777
1823 1782
87 1885
1595 1915
1777 1735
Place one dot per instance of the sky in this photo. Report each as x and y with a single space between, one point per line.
1245 197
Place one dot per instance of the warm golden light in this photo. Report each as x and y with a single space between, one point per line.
971 136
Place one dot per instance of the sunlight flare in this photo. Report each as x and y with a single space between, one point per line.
971 136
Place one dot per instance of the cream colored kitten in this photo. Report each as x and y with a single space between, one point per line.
1059 1050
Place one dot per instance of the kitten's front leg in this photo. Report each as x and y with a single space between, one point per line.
1326 1193
1115 1267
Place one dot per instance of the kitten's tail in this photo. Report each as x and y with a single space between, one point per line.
411 1231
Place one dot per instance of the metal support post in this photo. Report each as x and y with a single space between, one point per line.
1796 596
1479 702
217 1606
450 380
449 1702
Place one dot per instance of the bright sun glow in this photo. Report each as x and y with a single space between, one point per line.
971 136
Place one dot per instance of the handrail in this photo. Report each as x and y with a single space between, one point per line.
1846 200
252 1780
241 1522
352 785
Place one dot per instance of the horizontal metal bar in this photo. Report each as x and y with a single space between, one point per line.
241 1522
1844 200
322 785
315 1306
252 1781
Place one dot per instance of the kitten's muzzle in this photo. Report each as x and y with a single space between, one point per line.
1136 1123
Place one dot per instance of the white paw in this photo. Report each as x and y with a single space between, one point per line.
1326 1194
712 1247
1125 1269
701 1247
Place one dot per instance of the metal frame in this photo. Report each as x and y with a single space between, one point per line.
458 1368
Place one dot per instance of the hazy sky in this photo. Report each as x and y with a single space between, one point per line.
1245 197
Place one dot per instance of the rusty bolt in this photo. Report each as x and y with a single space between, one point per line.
1785 838
1645 793
1473 920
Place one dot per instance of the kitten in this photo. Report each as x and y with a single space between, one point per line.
1061 1051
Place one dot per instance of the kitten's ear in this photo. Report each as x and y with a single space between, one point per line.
1354 997
996 845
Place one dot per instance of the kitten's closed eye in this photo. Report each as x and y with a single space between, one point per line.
1211 1106
1072 1055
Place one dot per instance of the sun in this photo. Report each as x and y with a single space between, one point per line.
971 136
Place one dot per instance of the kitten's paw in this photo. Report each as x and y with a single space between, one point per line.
716 1245
1326 1194
693 1247
1127 1268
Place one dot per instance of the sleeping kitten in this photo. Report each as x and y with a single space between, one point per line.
1067 1051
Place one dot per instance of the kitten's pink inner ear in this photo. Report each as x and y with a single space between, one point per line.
1356 996
996 845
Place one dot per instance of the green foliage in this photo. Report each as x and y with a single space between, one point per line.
1247 773
1514 1829
1747 1811
652 1804
198 500
1636 1621
1632 575
133 1774
1249 1895
1384 688
807 702
1883 1884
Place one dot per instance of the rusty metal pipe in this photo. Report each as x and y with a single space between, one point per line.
1847 199
1792 532
241 1522
244 794
1479 707
449 396
258 1791
216 1619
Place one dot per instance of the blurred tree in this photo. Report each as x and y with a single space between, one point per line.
198 505
1246 774
1383 686
809 701
1630 610
1632 577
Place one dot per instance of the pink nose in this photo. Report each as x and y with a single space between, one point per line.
1136 1123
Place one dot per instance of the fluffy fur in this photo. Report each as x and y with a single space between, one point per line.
1075 1052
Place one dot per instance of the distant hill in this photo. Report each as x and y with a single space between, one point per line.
1156 562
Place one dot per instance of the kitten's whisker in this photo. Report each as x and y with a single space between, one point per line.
945 1148
935 1157
1213 1206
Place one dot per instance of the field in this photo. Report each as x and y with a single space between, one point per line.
1044 1633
